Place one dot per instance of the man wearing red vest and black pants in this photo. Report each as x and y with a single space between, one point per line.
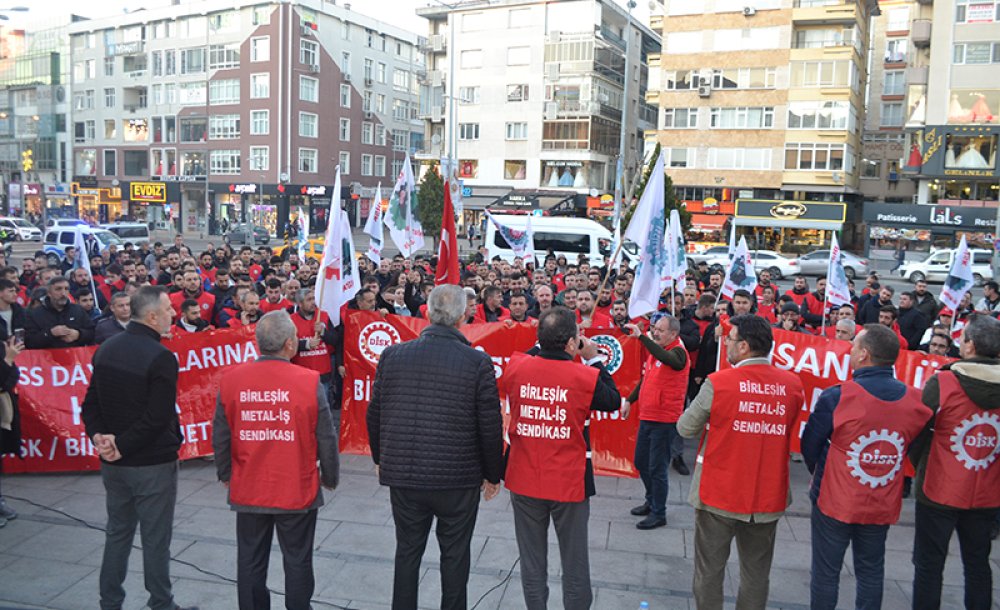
958 474
549 473
659 398
854 444
271 424
740 483
316 344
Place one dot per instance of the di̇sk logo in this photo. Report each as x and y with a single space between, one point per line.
374 338
974 442
610 351
875 458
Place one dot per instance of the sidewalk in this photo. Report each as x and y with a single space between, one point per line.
50 561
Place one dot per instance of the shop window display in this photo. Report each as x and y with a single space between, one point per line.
974 106
970 152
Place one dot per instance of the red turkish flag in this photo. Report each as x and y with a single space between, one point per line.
447 267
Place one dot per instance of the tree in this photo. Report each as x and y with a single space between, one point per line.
669 197
430 200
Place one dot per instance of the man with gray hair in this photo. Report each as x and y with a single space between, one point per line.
845 330
271 424
435 434
317 343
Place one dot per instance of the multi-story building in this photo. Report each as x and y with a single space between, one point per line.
539 88
33 109
761 106
212 113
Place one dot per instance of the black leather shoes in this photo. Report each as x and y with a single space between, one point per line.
651 522
641 511
680 466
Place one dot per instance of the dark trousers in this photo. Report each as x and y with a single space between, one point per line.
713 537
413 510
531 527
652 458
296 532
142 496
830 539
930 550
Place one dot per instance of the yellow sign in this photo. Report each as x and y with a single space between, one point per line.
788 209
153 192
27 160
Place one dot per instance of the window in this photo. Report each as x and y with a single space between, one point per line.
136 162
468 95
169 62
367 131
260 85
224 127
224 91
110 162
170 93
157 94
680 118
83 100
345 30
260 48
471 59
517 131
110 129
109 97
894 82
468 131
345 62
369 68
814 156
822 73
739 158
379 165
871 168
262 15
345 163
976 53
309 91
681 80
977 11
892 114
308 53
345 96
380 135
194 129
820 115
400 80
223 57
380 102
736 78
192 164
515 170
345 130
224 162
307 160
895 50
519 17
366 165
194 93
517 93
309 125
679 157
518 56
742 118
366 100
84 131
260 158
192 60
109 66
260 122
472 22
380 75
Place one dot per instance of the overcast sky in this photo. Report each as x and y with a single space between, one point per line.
400 13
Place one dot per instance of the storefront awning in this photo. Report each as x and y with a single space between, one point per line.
708 222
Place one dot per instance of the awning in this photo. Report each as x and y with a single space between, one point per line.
819 225
708 222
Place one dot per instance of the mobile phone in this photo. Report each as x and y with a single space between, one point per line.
19 335
580 345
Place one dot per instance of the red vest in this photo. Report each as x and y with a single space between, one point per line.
768 312
962 468
745 464
206 304
549 408
797 298
271 409
863 479
267 306
255 271
597 320
316 359
662 393
815 307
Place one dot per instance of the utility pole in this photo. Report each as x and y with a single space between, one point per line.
620 168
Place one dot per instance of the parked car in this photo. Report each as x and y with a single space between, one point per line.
240 233
135 233
778 265
936 265
59 237
711 253
21 229
564 236
817 263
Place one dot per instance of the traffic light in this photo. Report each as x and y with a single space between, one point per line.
27 160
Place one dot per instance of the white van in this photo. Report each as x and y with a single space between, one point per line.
21 229
937 264
565 236
135 233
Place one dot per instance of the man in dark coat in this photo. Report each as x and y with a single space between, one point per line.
57 322
436 440
10 418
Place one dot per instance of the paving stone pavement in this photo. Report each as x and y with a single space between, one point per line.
48 560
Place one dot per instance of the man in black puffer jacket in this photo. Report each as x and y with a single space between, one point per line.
435 434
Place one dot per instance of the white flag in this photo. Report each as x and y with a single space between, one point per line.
404 228
960 278
521 241
650 206
84 248
303 235
740 274
450 175
653 269
838 292
373 228
338 280
529 251
676 253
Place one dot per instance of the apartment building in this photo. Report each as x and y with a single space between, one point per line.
209 114
539 88
761 108
34 72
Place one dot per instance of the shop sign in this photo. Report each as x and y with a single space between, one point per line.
980 13
521 200
814 211
710 205
314 191
466 191
150 192
124 48
89 182
951 151
182 178
31 189
243 189
934 215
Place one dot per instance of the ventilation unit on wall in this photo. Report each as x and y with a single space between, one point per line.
749 11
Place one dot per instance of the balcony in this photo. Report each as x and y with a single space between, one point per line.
917 75
920 33
825 11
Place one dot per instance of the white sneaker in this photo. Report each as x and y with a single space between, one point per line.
6 512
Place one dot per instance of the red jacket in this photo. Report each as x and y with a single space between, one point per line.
206 303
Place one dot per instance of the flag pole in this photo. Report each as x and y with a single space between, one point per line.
822 329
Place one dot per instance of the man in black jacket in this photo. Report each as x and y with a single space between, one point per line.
58 323
912 322
436 440
111 325
130 416
12 316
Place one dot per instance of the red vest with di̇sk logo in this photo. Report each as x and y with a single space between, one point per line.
316 359
863 479
206 304
662 393
747 446
962 470
549 408
272 409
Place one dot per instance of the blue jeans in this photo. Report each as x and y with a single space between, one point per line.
830 538
652 457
